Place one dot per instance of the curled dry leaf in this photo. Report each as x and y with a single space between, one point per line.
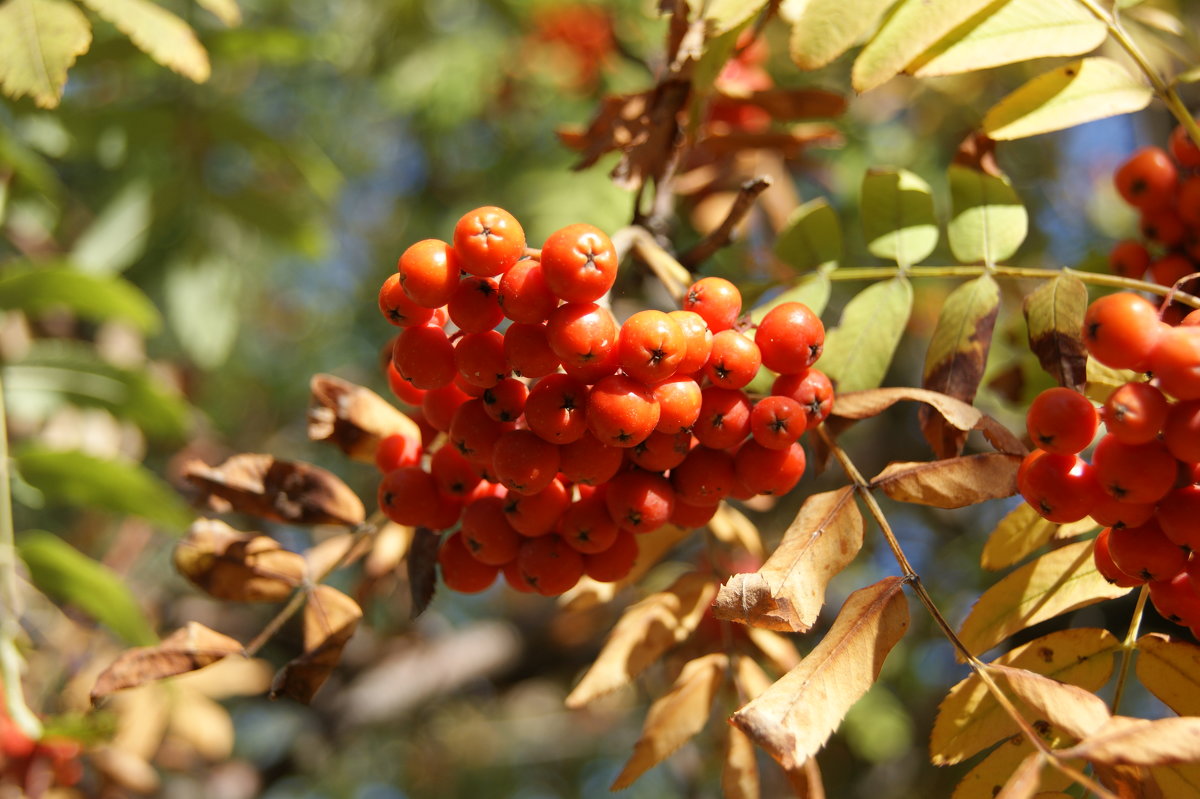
1026 779
749 678
794 718
788 104
951 483
422 569
676 716
739 773
353 418
788 591
652 547
644 632
1078 712
283 491
1171 671
1124 741
958 415
232 565
192 647
330 618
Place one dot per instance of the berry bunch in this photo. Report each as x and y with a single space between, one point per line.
1143 481
553 435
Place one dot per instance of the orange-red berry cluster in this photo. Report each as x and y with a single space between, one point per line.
555 435
36 766
1143 481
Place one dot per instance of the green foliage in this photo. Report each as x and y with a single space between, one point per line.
38 289
859 350
897 216
989 222
811 238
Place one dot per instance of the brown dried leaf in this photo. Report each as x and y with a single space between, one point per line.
988 776
1171 671
729 525
283 491
233 565
788 144
1124 741
779 651
353 418
795 716
1128 782
806 780
1054 315
330 618
187 649
644 632
749 678
787 592
739 775
785 105
422 569
676 716
865 404
951 483
1078 712
334 553
1025 780
652 547
390 546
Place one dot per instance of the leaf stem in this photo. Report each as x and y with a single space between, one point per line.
1129 646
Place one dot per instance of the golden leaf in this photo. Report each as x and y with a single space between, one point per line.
335 552
159 34
989 775
1180 781
187 649
953 482
353 418
1026 779
787 592
739 775
796 715
389 549
233 565
750 678
731 526
330 618
1018 534
779 650
1171 671
1124 741
1068 707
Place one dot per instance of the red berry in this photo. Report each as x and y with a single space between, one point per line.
1147 179
486 532
621 411
479 359
734 360
527 351
769 471
1107 567
1062 488
1135 413
640 501
650 346
724 420
524 294
1134 472
460 570
488 241
589 461
614 563
1130 259
716 300
579 262
475 305
396 306
424 356
678 401
1176 362
812 389
790 338
429 272
549 564
1061 420
698 338
588 527
556 408
524 462
1121 330
397 451
1145 552
705 477
537 514
1181 431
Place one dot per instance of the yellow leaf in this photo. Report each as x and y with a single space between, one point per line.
1026 779
1104 380
39 41
1068 707
914 27
1139 742
969 718
203 724
1078 92
644 632
731 526
795 717
824 29
1180 781
779 651
158 33
739 775
330 619
1056 583
787 592
676 716
953 482
1171 671
225 10
989 775
1018 534
750 678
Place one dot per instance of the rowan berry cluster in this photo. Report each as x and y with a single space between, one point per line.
1165 189
1143 481
554 436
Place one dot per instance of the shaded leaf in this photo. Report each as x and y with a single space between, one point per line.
676 716
779 651
859 350
813 290
158 33
729 525
67 575
749 678
811 238
788 591
1104 380
1128 782
1056 583
94 297
330 618
865 404
953 482
914 27
1078 92
1018 534
39 41
739 772
117 237
988 776
286 491
187 649
645 631
1054 315
1127 741
806 781
1171 671
1068 707
336 552
201 307
353 418
824 29
232 565
1026 779
988 221
1180 781
796 715
897 216
957 356
422 569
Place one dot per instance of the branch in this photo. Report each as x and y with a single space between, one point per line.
720 237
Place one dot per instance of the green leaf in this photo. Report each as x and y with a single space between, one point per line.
1054 316
811 238
99 298
39 41
812 290
79 479
58 372
1082 91
158 33
28 165
914 27
860 349
1008 31
67 575
201 310
897 214
725 15
118 235
989 221
824 29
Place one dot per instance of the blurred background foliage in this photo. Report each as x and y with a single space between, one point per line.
176 260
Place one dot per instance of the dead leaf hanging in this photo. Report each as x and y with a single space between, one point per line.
951 483
353 418
330 618
232 565
192 647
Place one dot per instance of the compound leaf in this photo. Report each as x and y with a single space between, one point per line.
811 238
824 29
859 350
1018 534
914 27
952 482
157 32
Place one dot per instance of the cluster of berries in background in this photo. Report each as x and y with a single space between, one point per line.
1142 481
1165 189
552 435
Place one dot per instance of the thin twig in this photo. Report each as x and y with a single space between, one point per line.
1129 646
720 237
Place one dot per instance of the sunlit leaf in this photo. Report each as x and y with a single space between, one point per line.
897 216
117 236
1127 741
157 32
914 27
1180 781
232 565
1171 671
988 776
732 527
1018 534
201 308
988 222
812 289
1025 779
859 350
187 649
811 238
1056 583
95 297
353 418
225 10
1078 712
865 404
39 41
1104 380
1082 91
1054 315
788 591
725 15
739 772
952 482
824 29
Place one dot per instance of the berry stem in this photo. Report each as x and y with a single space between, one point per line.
720 237
672 274
1129 646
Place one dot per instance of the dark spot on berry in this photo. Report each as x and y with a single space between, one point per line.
623 436
388 497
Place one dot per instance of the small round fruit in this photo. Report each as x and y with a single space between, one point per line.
488 241
790 338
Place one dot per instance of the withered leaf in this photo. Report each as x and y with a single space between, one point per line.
422 569
794 718
1171 671
779 651
1026 779
187 649
806 780
676 716
739 774
787 144
388 550
1076 711
785 105
1054 315
233 565
787 592
644 632
353 418
652 547
334 553
951 483
1128 782
330 618
283 491
749 678
1021 532
1125 741
865 404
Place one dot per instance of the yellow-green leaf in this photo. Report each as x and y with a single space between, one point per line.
1007 32
158 33
1056 583
824 29
1018 534
859 350
1054 316
1078 92
989 222
811 238
914 27
725 15
897 216
39 41
225 10
1104 380
1180 781
813 290
1171 671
